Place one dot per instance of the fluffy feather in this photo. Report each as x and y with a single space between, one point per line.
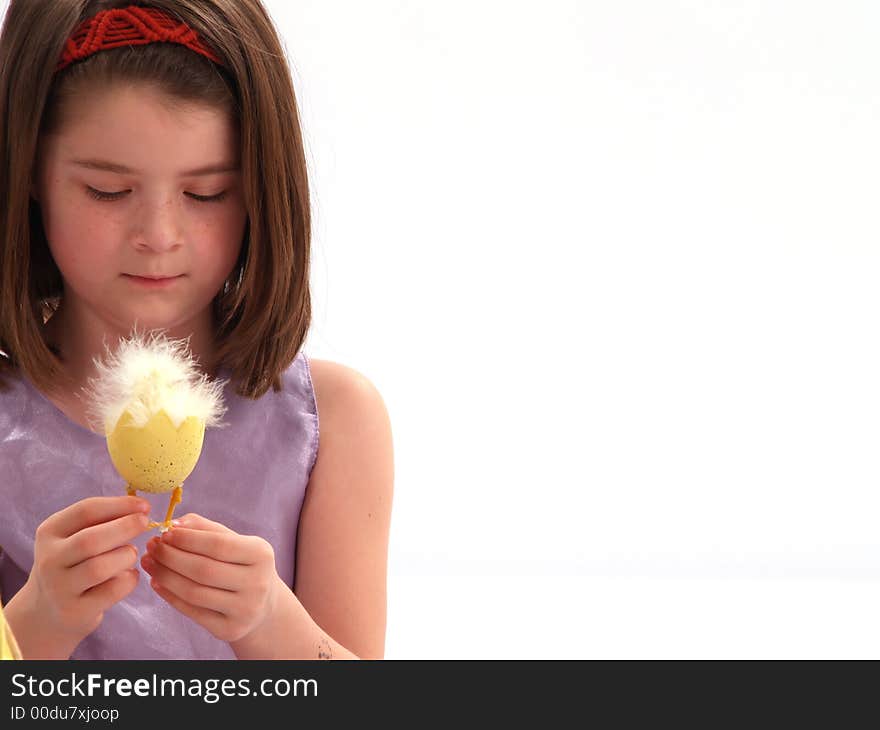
148 373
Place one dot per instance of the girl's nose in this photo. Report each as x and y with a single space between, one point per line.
159 225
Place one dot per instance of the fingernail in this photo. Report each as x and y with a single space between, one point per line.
144 506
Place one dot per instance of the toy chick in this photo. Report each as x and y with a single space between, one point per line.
153 406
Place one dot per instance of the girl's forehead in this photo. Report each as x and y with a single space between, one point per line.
140 108
141 121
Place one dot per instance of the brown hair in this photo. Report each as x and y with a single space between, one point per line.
263 313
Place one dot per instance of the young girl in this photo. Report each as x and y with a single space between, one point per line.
153 175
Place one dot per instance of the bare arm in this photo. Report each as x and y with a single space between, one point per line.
337 609
290 633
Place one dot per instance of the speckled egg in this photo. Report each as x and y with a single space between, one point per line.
155 457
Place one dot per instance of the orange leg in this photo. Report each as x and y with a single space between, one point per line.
132 492
176 498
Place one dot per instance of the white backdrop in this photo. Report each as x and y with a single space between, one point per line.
613 267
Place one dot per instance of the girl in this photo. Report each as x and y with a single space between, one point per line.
153 176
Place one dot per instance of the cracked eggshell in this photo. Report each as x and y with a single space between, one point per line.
155 457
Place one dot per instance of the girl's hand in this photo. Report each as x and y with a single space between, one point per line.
223 581
83 564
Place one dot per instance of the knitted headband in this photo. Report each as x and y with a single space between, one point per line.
131 26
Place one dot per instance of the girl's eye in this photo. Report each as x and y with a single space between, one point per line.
208 198
100 195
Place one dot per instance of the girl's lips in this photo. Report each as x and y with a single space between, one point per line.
152 283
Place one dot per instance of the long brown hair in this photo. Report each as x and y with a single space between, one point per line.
263 313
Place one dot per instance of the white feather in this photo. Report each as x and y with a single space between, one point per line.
149 373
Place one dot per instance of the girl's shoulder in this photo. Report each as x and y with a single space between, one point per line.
335 385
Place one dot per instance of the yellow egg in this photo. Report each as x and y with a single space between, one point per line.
155 457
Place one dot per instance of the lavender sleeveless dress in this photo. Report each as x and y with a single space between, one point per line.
251 477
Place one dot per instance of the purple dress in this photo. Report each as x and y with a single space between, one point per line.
251 476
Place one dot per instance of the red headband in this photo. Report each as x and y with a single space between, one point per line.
131 26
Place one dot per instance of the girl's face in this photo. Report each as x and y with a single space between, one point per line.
134 186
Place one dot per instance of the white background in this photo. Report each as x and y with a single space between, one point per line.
614 268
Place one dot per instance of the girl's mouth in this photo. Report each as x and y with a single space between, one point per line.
152 283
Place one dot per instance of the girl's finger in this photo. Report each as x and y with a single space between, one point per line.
228 547
213 621
199 568
101 538
96 570
195 521
111 591
196 594
93 511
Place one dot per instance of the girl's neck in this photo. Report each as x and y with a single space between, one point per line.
78 339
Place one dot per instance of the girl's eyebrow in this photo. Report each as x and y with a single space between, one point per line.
122 169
